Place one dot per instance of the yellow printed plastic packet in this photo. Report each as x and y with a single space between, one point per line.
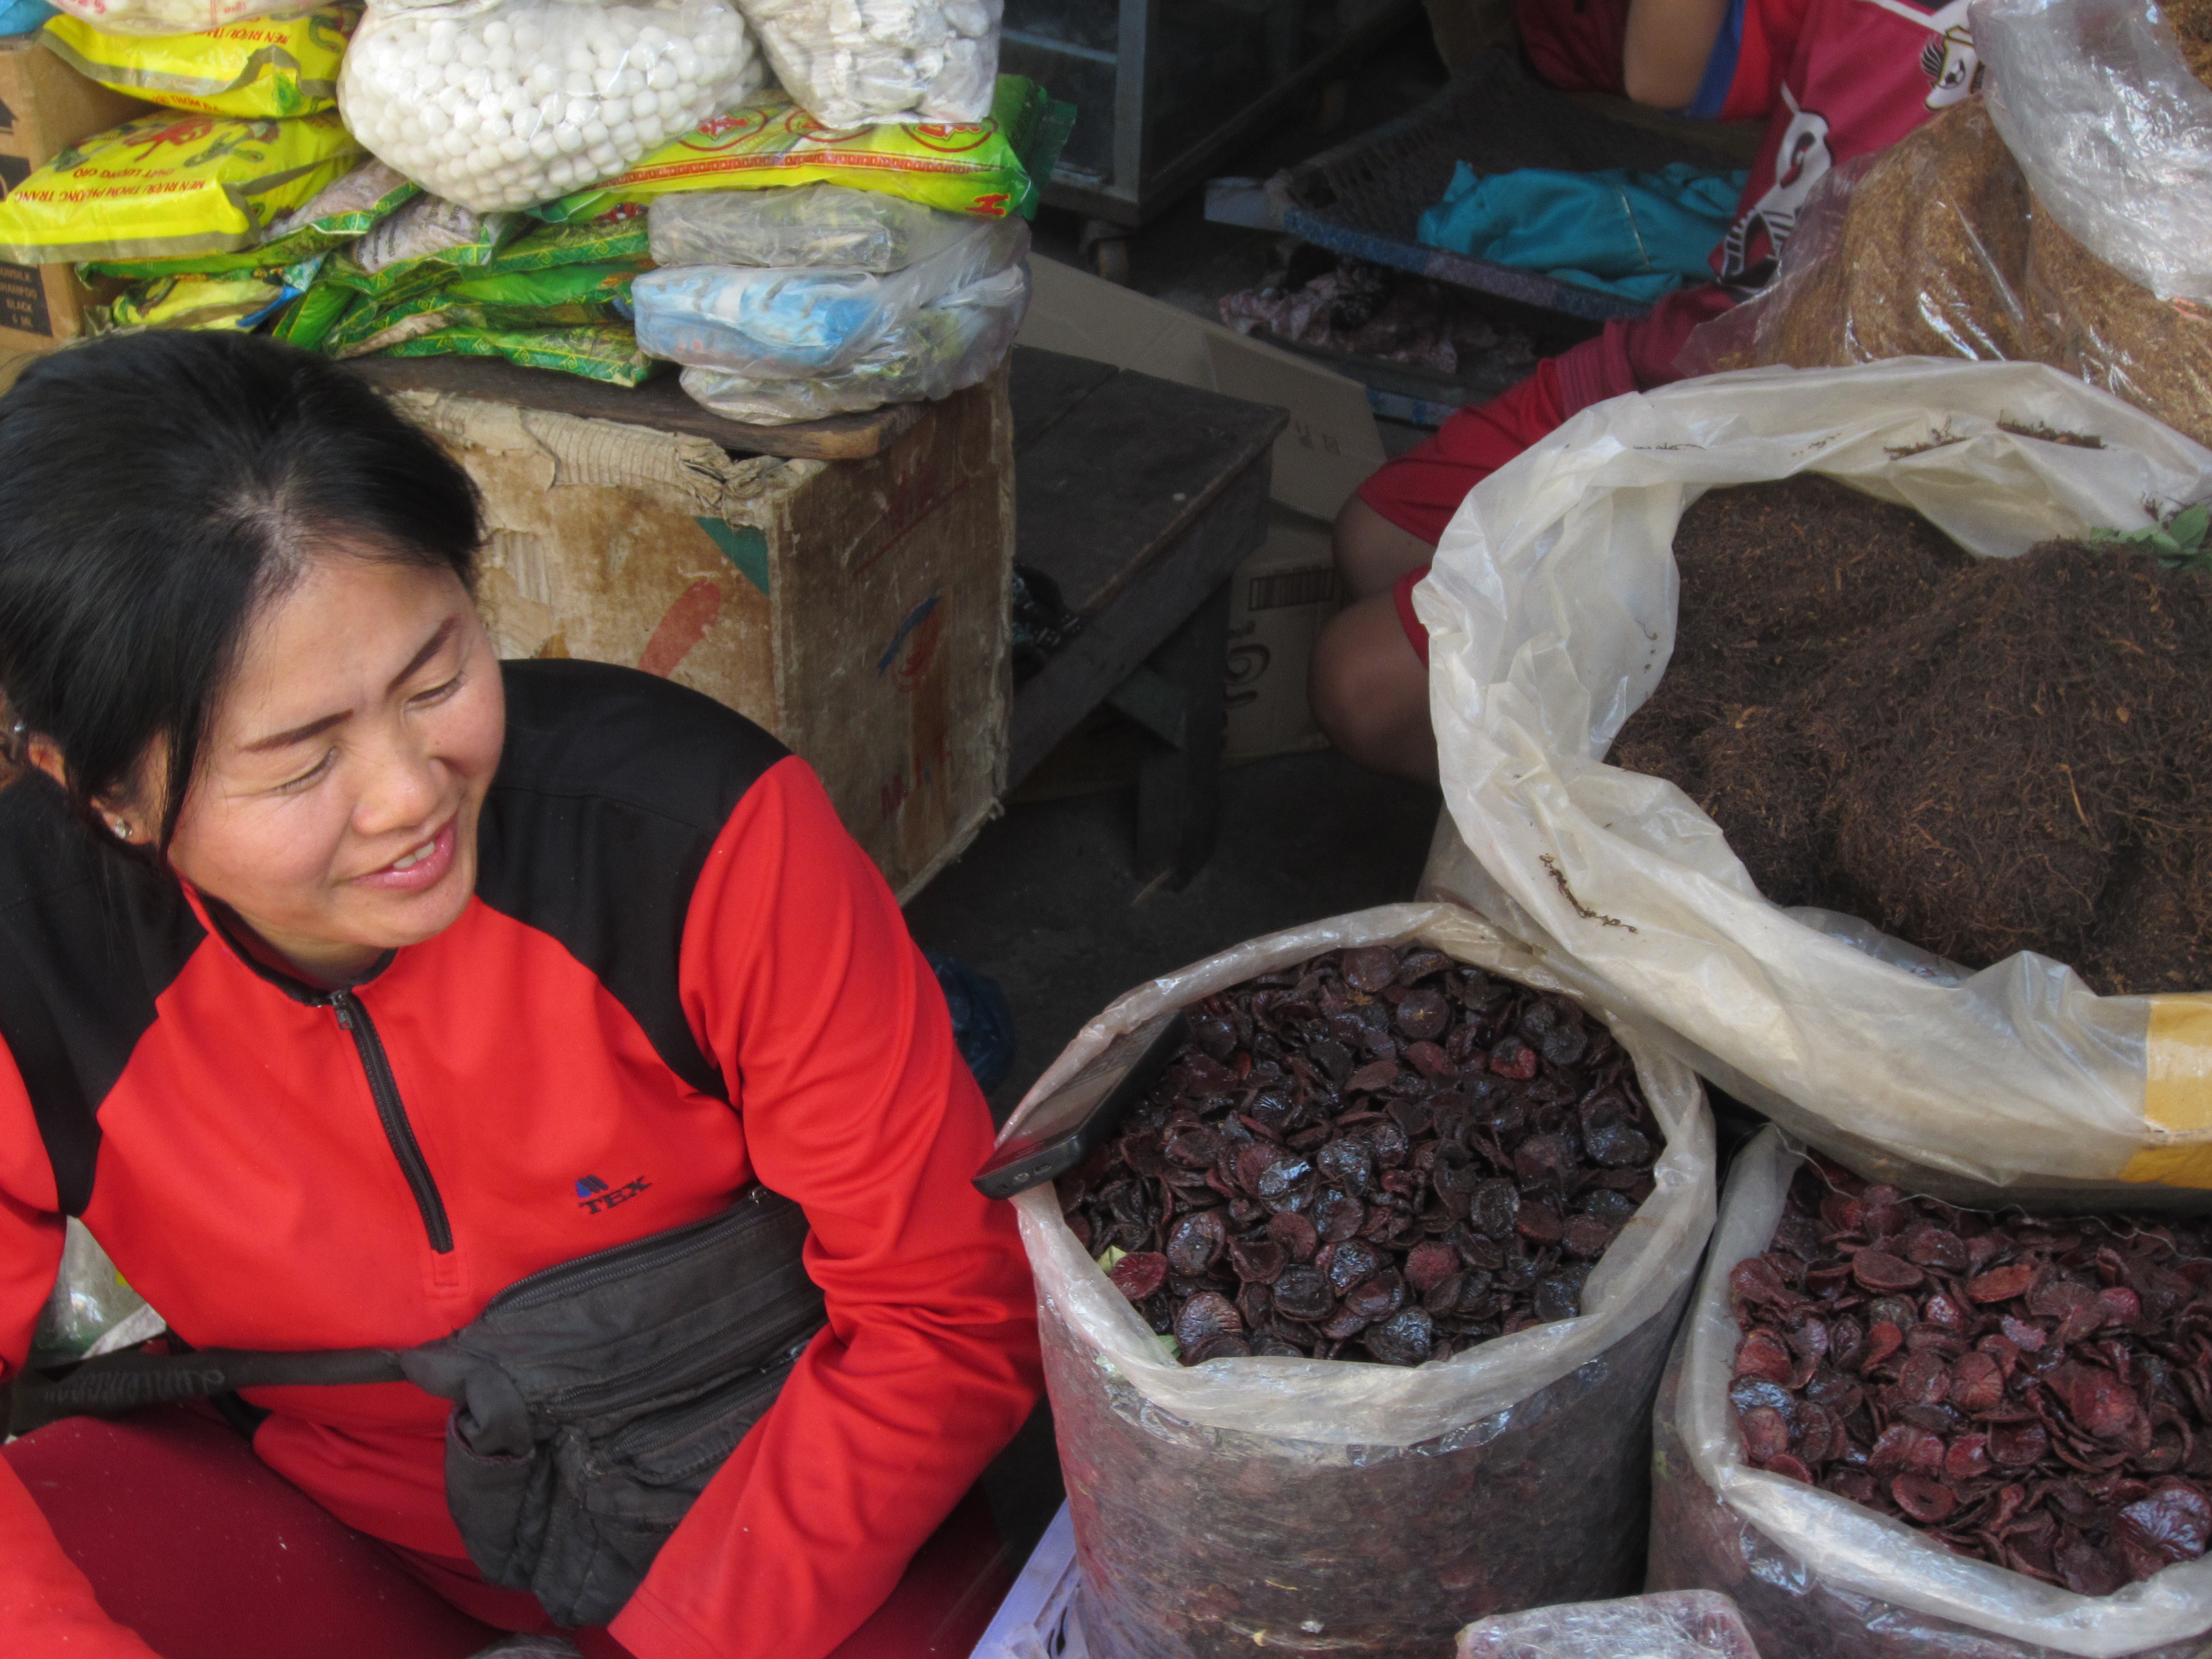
987 168
226 302
263 66
606 351
340 212
167 184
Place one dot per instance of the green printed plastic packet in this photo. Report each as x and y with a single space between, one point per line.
988 168
606 351
557 295
586 242
308 320
421 248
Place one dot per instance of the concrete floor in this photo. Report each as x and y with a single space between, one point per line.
1044 901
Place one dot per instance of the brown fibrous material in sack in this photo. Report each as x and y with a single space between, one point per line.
1980 756
1928 259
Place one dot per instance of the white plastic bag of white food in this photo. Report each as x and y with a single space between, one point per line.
501 104
1550 614
861 63
795 324
942 348
179 17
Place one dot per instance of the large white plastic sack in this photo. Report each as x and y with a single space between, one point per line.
2099 107
1817 1577
861 63
1207 1498
503 104
1551 612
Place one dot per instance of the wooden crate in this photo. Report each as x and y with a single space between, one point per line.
858 609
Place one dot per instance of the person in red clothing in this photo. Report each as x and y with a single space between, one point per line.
348 975
1834 79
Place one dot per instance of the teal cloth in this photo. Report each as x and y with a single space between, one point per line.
1638 235
21 16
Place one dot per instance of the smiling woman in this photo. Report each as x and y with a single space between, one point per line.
348 975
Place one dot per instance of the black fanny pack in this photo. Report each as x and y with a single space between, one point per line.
592 1400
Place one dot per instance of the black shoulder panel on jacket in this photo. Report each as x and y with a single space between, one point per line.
611 791
89 940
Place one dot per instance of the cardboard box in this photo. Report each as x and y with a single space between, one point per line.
859 610
1281 599
45 106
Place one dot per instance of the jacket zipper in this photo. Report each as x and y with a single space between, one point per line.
392 1112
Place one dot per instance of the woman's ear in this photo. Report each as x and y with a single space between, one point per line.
122 823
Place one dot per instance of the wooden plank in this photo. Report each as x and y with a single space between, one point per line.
1160 597
1104 491
1046 385
660 404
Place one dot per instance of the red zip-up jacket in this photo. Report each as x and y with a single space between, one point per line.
677 975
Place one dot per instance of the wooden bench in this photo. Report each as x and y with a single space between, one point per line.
1138 497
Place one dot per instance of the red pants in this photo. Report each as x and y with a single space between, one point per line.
1421 489
189 1540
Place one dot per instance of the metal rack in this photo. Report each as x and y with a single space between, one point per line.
1162 91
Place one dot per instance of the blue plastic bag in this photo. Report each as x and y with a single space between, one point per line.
982 1024
21 16
1638 235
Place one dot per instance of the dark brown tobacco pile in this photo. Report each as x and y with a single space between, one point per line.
1379 1154
1978 756
2034 1392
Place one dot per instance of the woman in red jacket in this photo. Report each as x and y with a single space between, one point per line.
348 974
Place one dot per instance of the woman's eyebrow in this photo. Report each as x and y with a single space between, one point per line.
315 728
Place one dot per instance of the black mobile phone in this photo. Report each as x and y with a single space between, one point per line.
1074 1120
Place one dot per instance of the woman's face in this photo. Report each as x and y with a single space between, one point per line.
336 800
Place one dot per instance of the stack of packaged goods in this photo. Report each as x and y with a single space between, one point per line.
416 180
797 304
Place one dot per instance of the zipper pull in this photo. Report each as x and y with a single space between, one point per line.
338 1001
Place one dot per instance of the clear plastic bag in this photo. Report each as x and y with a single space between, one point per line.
1918 250
1673 1625
1817 1577
859 63
801 324
2113 130
1361 1509
942 348
178 16
91 1310
1551 612
500 104
2117 334
831 227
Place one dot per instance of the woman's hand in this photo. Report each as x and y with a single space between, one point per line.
1666 48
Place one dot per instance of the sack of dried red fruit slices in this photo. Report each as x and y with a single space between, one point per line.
1891 1427
1306 1481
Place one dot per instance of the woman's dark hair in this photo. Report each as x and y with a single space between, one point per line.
155 490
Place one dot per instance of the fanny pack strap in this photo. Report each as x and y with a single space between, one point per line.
119 1383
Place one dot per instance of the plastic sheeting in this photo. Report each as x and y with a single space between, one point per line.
1550 613
1673 1624
1816 1576
1344 1507
2113 130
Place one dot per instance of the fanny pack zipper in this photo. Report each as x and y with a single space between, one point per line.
392 1112
601 1267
